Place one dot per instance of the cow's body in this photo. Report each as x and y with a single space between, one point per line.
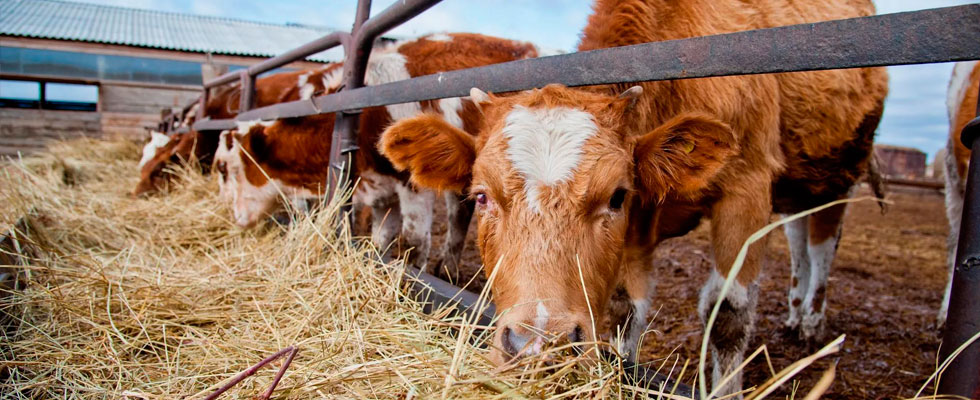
576 187
291 155
163 150
961 101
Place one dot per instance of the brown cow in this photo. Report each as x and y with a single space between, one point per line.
162 150
575 188
961 99
291 155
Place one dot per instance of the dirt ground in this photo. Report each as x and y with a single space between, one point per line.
883 292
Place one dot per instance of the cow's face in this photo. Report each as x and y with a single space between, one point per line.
252 195
554 176
156 154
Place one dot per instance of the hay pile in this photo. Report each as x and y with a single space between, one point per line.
161 297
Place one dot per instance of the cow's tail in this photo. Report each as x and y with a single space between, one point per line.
877 182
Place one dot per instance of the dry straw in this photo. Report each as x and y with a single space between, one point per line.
162 297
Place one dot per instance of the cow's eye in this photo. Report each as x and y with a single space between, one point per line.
617 199
481 199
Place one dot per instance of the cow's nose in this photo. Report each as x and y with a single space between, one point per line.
523 342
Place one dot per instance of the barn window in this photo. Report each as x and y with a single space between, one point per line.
48 95
70 96
20 94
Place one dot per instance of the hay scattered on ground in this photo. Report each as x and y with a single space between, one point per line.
162 297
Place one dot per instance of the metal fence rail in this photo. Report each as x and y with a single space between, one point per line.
929 36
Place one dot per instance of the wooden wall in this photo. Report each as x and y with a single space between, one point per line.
124 111
28 131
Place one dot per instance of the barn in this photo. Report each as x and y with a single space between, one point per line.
901 162
69 69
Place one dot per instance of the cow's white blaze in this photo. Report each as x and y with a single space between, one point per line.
541 319
157 140
245 126
958 85
545 145
450 109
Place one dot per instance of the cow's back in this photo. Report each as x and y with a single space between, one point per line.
803 126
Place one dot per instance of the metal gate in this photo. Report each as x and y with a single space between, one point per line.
929 36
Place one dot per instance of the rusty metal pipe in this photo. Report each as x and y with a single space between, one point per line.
929 36
324 43
962 377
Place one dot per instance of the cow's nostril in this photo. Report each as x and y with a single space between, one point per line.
513 342
576 334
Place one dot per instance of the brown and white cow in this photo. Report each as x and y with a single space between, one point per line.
266 161
575 188
162 150
961 100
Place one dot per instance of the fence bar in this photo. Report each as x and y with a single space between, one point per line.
324 43
962 377
929 36
247 98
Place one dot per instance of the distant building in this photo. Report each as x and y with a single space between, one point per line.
901 162
70 69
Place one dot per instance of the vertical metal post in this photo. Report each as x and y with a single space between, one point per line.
247 99
202 103
962 377
343 145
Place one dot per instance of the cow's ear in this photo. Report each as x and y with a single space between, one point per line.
682 155
436 154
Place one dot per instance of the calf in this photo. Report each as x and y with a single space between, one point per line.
575 188
961 100
266 160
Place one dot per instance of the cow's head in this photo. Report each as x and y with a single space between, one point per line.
555 173
156 154
241 181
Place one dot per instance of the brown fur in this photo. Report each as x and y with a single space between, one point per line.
792 136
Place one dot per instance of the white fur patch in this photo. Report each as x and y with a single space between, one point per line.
545 145
305 88
450 109
958 85
333 79
386 66
157 140
439 37
541 319
245 126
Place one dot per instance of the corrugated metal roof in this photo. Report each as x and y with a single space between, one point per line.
52 19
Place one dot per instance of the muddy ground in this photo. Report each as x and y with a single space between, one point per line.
884 289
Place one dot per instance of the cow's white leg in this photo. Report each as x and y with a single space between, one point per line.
734 218
732 329
824 231
416 209
459 212
954 212
378 193
796 236
640 284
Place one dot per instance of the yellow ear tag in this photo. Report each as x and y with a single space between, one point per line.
688 147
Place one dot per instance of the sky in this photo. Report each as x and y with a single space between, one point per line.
915 111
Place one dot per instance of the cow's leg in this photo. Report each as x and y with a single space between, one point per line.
459 212
377 192
416 208
954 213
733 219
638 279
824 235
796 236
